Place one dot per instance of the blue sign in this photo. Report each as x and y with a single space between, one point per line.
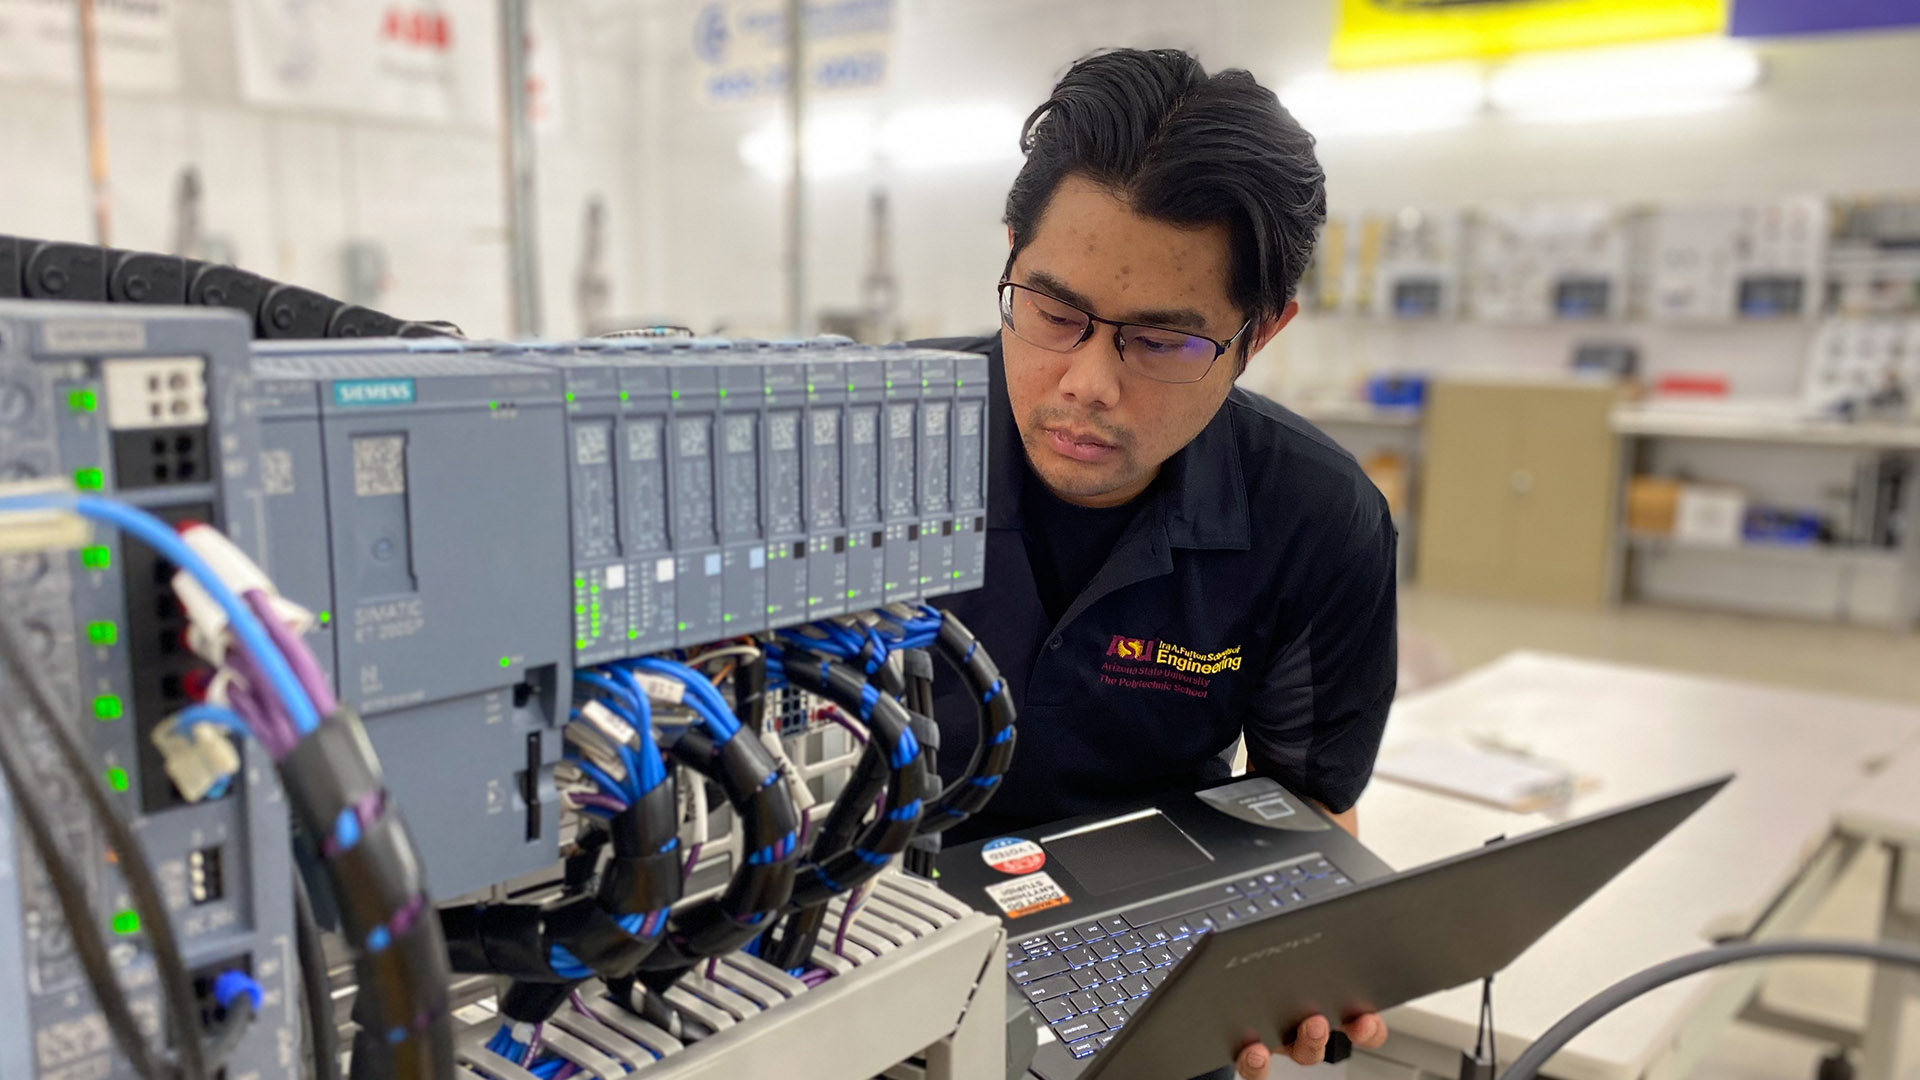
354 392
1773 18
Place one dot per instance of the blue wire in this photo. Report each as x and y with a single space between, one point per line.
719 717
204 713
629 701
161 537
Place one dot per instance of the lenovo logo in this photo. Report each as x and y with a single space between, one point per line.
1272 951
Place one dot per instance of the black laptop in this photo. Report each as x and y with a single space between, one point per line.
1155 943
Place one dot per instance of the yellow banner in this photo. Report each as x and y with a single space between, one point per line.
1375 33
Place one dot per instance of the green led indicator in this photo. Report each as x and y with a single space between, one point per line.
851 593
117 778
956 575
769 391
126 922
889 384
675 395
102 633
726 618
594 589
506 661
631 634
809 388
82 400
723 391
579 643
325 617
959 382
596 611
569 395
924 384
579 609
107 707
682 626
849 388
89 479
624 395
579 583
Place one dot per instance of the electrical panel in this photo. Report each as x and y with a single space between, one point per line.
476 520
142 405
1724 262
421 505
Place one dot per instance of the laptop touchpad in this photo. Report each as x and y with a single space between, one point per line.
1129 851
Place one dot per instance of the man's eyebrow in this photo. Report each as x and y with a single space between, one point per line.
1174 318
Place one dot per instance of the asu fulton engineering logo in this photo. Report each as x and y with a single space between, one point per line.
1147 664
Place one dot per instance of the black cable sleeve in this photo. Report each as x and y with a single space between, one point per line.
332 777
183 1014
750 692
496 939
316 986
533 1003
993 754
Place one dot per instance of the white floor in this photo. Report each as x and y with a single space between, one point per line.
1444 634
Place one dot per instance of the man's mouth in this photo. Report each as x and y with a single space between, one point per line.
1079 445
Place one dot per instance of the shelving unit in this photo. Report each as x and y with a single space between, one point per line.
1844 582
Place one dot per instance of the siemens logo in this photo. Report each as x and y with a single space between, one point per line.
1272 951
373 392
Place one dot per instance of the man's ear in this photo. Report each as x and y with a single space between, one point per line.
1009 237
1259 334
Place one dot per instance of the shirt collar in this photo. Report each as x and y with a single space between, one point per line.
1201 499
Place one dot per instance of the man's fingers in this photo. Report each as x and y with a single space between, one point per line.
1252 1064
1310 1046
1368 1032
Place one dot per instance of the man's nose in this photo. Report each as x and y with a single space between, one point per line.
1093 370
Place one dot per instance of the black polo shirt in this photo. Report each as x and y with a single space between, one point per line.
1253 592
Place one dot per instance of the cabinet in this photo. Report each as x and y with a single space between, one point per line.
1519 490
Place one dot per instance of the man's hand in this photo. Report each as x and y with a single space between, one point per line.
1309 1045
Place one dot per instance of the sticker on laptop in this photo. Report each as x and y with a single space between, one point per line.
1026 895
1012 855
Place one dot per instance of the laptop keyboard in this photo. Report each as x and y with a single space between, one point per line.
1088 980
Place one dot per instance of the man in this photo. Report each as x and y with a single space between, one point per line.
1173 562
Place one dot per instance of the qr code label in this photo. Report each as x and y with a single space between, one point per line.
380 465
276 472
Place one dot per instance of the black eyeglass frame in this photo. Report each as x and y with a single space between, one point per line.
1119 342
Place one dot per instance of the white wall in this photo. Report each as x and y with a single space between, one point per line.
1835 115
696 234
288 189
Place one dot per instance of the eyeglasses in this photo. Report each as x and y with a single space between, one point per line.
1160 354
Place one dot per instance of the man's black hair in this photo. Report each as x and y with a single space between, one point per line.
1185 147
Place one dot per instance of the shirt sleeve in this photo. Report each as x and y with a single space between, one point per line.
1320 711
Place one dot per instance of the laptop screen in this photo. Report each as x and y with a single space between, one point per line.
1126 852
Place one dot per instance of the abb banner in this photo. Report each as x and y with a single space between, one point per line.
411 59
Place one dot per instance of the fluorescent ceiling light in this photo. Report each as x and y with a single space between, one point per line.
923 137
1386 102
1613 84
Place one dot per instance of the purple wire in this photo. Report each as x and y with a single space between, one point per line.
605 802
840 718
299 657
846 919
580 1005
693 860
533 1044
269 720
566 1071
